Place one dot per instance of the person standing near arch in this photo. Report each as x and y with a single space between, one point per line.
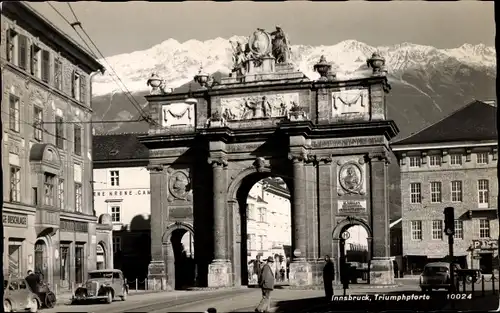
328 277
266 283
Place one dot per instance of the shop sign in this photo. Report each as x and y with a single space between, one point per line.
114 193
16 220
351 206
485 244
79 227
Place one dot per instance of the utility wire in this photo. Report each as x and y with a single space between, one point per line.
136 104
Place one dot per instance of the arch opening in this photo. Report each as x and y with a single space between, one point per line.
354 251
41 264
182 243
100 256
264 205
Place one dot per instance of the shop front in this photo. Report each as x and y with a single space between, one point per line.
18 242
73 246
484 255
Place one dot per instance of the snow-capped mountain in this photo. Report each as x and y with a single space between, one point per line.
427 83
179 62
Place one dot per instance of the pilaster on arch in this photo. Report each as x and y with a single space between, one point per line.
165 240
352 221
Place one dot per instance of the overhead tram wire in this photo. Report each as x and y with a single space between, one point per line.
136 104
130 98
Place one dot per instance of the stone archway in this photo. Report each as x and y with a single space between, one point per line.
177 264
237 192
337 241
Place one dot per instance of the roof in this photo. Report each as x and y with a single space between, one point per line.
39 26
106 271
118 147
474 122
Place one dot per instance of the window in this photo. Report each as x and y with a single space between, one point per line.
75 87
483 190
35 63
78 197
437 230
459 229
48 186
60 194
482 158
45 67
15 184
15 258
415 193
59 132
117 244
435 192
14 113
58 74
22 59
455 159
79 264
115 178
484 228
115 214
37 123
65 266
35 196
416 230
262 214
456 191
78 139
435 160
262 240
415 161
11 45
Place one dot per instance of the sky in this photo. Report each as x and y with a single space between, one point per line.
124 27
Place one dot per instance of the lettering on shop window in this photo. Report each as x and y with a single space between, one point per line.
75 226
114 193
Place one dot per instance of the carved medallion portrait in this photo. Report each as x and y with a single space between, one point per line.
178 185
351 177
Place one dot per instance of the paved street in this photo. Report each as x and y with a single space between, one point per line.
284 300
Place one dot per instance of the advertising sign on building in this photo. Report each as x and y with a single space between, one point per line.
15 220
485 244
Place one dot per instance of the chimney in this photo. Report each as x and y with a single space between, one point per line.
493 103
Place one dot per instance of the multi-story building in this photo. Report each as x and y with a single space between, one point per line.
121 189
268 219
48 219
452 163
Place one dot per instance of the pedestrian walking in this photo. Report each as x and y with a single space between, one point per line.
266 283
328 277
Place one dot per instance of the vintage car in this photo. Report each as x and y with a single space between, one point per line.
18 297
436 275
102 285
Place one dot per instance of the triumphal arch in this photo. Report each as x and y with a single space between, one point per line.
328 139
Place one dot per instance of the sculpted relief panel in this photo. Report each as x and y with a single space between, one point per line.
258 106
349 102
351 174
178 114
178 185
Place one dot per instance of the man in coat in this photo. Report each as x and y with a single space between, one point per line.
266 283
33 281
328 277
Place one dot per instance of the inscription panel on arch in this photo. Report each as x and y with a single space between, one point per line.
351 206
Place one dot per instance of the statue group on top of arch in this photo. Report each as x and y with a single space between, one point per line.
261 44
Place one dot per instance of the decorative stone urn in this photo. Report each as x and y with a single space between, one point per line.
323 68
377 63
157 85
202 78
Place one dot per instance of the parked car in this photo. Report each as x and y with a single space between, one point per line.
436 275
18 296
102 285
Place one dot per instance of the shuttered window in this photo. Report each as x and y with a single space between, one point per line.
23 52
45 66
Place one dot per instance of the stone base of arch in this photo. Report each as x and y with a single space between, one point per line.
220 274
301 273
157 277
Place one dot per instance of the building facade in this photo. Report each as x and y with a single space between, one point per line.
121 190
451 163
48 219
